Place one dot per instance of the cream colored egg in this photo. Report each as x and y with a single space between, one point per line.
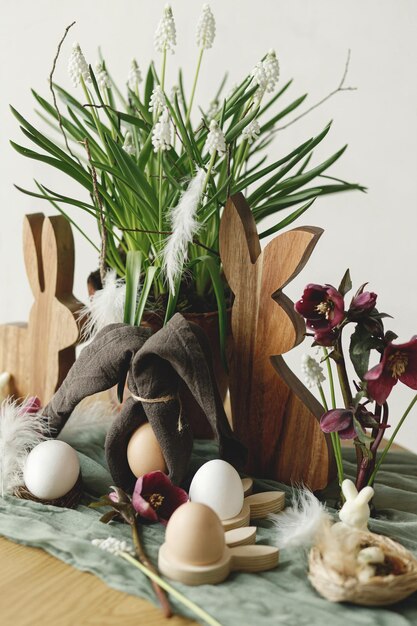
144 453
195 535
51 469
218 485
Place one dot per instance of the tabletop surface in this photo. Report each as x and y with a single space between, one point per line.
36 588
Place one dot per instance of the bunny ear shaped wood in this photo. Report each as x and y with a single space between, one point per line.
274 414
38 355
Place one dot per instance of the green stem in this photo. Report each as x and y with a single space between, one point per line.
173 592
164 65
200 58
210 167
323 397
334 436
331 379
391 440
160 196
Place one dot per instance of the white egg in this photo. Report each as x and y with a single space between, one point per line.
218 485
51 469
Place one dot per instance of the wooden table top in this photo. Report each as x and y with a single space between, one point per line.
37 589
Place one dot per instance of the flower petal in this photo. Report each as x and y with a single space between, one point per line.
336 420
380 382
143 507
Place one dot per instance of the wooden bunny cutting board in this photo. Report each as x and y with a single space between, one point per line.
39 354
274 414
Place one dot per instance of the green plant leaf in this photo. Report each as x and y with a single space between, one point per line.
133 270
289 109
213 268
345 284
151 272
287 221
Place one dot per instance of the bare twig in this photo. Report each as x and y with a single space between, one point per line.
51 87
167 232
103 249
340 87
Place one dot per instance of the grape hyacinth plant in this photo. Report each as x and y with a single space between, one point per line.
365 415
155 170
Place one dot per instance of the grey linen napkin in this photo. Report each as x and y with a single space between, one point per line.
157 365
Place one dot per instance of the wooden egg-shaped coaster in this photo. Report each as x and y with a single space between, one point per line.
250 558
243 536
255 506
186 558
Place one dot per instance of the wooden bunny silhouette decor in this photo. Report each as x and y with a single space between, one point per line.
274 414
39 354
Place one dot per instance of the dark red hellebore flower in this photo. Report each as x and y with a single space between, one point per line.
362 303
338 421
399 363
155 497
322 306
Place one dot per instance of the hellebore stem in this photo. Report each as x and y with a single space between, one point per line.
176 594
140 553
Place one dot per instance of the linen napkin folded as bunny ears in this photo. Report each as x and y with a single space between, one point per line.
157 365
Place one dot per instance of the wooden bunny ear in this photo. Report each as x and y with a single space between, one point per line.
238 238
32 250
365 495
289 252
59 271
349 490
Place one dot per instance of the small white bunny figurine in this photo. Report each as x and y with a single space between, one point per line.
355 512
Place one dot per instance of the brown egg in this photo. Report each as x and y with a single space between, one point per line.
195 535
144 453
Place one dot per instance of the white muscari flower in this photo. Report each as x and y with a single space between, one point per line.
251 131
212 110
259 76
102 77
206 28
135 75
175 92
113 545
271 67
157 101
266 74
161 134
312 371
129 144
166 34
77 66
215 141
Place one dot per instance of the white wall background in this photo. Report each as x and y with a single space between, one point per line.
373 234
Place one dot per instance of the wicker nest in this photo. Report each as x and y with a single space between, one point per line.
394 580
69 501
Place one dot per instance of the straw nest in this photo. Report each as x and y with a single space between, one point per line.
394 580
69 501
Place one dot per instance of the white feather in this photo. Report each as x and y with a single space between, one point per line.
298 525
184 226
106 306
19 433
